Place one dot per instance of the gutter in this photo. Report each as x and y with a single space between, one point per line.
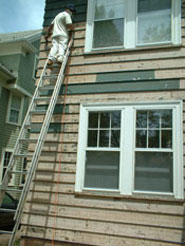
22 42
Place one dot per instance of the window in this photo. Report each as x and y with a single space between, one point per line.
132 23
15 109
4 164
131 149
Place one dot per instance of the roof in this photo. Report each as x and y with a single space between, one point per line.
17 36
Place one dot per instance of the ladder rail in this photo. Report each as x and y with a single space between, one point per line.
44 129
40 141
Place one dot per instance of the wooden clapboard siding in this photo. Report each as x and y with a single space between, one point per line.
67 238
94 218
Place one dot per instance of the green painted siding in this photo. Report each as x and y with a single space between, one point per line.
53 7
58 108
8 132
11 61
25 79
94 88
53 128
125 76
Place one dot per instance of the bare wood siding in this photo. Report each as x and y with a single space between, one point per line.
92 218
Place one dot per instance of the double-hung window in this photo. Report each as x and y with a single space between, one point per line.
4 164
15 109
131 149
132 23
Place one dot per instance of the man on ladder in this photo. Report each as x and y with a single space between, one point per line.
59 29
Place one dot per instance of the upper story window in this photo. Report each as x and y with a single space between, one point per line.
132 23
15 109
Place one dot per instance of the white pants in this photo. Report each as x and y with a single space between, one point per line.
59 45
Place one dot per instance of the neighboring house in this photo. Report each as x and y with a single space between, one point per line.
18 60
111 172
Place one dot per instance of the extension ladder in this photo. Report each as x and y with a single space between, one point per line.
24 139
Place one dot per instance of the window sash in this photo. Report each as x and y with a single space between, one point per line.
14 109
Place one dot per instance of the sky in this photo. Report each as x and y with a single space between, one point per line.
21 15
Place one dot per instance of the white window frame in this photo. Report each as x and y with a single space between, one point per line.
127 149
12 182
9 110
131 23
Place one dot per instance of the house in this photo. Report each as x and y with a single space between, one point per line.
18 60
111 172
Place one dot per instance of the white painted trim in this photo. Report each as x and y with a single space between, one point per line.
131 26
176 21
82 142
127 144
89 26
19 89
178 152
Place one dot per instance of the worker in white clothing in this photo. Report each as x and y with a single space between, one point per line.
59 29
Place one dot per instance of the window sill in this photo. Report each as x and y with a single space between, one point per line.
140 48
115 195
13 124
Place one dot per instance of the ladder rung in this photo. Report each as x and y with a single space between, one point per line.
22 155
7 210
29 140
52 76
42 98
5 232
19 172
46 87
38 112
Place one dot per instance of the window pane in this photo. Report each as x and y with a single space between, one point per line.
115 138
93 120
6 160
153 139
105 120
154 21
104 138
16 102
167 139
141 119
115 119
102 31
141 138
154 171
108 9
14 116
154 119
92 138
102 170
166 118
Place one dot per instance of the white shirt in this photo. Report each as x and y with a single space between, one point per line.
60 24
